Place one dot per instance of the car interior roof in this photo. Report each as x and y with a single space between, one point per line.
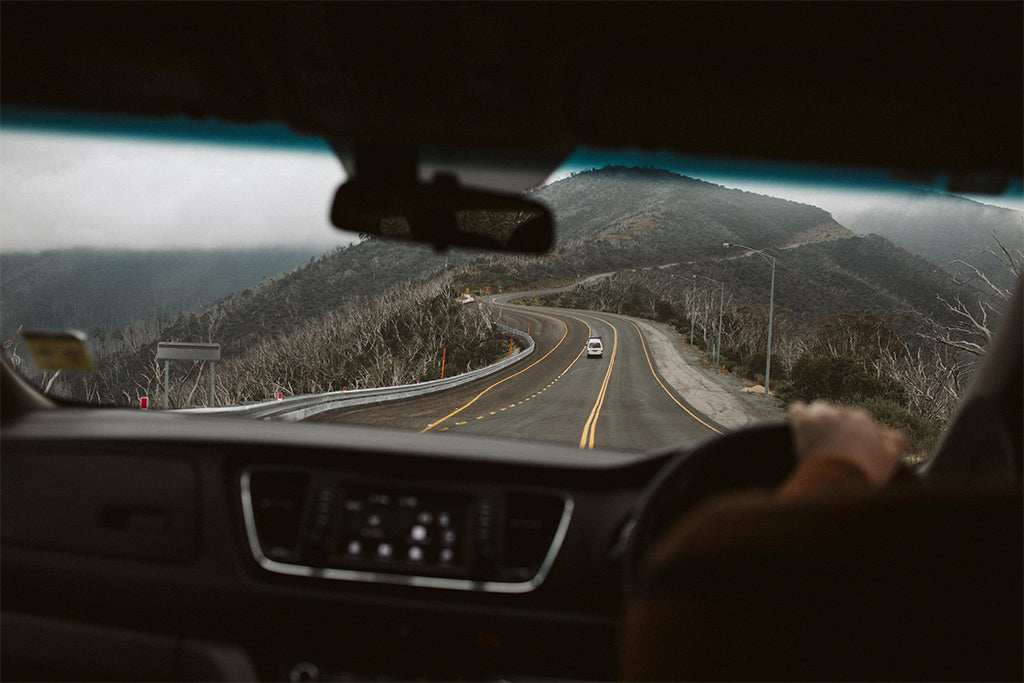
921 88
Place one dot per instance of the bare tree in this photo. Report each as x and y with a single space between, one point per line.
974 323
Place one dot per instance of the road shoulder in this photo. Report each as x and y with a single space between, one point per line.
718 398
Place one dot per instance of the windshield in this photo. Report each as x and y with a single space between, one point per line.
685 298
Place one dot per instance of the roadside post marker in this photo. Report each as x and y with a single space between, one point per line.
444 352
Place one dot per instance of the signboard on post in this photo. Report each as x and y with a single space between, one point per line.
187 351
201 351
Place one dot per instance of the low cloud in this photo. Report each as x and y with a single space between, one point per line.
65 191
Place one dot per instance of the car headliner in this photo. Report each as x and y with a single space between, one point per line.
922 88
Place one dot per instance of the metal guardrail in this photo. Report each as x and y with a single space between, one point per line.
300 407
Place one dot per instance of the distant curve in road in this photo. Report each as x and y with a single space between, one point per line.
557 394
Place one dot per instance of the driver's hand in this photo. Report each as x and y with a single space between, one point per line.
848 434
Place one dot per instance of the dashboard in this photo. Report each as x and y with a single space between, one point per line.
141 545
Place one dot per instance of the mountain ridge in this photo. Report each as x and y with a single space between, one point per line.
599 204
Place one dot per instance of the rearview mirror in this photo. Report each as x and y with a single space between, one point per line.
444 215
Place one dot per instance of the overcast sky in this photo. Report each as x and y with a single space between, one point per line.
63 191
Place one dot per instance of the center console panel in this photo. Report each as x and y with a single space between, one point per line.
324 524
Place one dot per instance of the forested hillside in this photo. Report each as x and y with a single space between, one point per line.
349 276
815 280
373 314
398 337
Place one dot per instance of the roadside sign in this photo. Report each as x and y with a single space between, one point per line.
202 351
187 351
58 350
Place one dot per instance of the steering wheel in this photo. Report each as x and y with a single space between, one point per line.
757 457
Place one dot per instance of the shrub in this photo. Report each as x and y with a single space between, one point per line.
922 434
664 311
841 379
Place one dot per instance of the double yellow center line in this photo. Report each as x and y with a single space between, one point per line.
590 428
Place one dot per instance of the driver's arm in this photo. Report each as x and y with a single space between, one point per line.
841 453
839 449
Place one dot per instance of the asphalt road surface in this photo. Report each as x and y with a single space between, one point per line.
557 394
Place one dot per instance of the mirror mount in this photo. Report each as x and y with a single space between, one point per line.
384 198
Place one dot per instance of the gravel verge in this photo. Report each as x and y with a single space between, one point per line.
715 396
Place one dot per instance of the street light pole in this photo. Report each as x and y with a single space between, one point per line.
771 310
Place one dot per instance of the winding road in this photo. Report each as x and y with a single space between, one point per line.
618 401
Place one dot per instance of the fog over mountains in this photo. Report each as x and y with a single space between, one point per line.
943 229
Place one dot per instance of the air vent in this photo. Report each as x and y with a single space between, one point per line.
277 500
531 522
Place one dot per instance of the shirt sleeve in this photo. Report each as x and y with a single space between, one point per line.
824 475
